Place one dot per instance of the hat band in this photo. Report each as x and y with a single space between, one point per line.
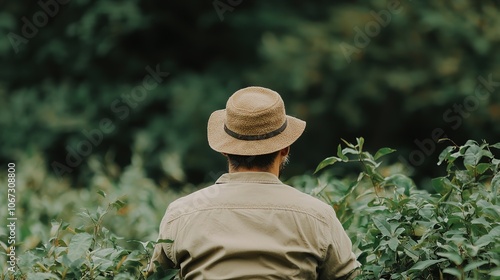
255 137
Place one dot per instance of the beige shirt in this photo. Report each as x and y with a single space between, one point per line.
250 225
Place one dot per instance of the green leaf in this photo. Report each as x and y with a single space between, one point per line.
27 260
382 152
118 204
40 275
79 245
482 167
361 142
348 144
163 274
103 264
326 162
470 143
445 154
421 265
80 229
443 185
145 244
101 193
481 221
341 155
453 271
495 184
64 225
382 225
484 240
393 243
452 256
400 181
369 159
409 246
346 151
487 154
496 146
495 272
100 212
474 265
472 155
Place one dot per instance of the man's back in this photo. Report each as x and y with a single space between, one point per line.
251 226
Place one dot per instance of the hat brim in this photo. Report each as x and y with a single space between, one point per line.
222 142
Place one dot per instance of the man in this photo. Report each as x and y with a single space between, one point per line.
249 225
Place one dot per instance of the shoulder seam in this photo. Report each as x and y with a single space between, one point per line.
323 221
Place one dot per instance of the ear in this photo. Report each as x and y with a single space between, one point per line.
285 151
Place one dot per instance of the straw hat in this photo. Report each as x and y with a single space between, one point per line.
253 123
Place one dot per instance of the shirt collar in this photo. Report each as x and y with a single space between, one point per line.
249 177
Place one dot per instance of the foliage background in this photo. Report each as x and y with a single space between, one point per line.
395 91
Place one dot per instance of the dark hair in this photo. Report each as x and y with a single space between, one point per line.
259 161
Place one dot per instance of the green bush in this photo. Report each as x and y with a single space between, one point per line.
396 90
86 253
51 215
405 233
398 231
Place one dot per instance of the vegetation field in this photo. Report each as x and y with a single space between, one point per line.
398 230
104 108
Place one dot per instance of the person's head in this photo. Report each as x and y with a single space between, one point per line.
254 132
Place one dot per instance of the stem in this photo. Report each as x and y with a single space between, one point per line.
97 225
448 139
40 265
375 185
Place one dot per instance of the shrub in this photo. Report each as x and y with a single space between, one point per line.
398 230
405 233
87 253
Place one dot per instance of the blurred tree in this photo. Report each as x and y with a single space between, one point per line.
391 71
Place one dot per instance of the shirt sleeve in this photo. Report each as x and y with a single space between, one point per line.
340 261
160 253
